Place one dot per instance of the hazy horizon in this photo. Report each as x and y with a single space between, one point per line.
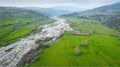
86 4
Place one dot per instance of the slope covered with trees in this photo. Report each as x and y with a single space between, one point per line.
108 15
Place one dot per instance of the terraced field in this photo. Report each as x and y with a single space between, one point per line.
103 47
12 31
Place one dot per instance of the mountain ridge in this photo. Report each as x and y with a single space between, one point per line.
58 10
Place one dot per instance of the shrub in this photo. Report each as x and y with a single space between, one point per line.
77 51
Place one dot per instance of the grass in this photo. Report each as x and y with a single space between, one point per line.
102 49
88 25
19 33
14 31
20 20
4 31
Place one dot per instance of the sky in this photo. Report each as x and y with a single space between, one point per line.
86 4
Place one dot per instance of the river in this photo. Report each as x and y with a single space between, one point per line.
12 54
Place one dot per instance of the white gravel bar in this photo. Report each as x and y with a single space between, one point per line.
12 54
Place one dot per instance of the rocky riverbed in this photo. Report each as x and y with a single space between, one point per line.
12 54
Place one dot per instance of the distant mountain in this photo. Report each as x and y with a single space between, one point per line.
59 10
10 13
113 9
70 9
105 14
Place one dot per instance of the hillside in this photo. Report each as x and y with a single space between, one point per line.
11 13
16 23
104 10
103 14
108 10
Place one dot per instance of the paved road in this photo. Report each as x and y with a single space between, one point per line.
13 53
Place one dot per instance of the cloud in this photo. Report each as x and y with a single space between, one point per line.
53 3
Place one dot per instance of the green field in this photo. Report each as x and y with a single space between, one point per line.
103 47
88 25
11 31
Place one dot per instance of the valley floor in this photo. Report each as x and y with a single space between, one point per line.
12 54
103 47
102 50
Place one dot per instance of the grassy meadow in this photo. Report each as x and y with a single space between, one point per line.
103 47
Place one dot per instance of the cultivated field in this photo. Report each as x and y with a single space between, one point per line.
102 49
12 30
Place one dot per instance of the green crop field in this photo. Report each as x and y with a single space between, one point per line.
88 25
12 30
103 47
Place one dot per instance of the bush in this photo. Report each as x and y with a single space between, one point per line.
84 43
77 51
